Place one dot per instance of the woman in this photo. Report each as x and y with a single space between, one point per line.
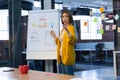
65 44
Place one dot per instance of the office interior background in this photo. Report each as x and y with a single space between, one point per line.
97 32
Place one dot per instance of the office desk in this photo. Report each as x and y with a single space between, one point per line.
32 75
90 50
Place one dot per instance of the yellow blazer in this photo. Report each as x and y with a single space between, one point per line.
68 53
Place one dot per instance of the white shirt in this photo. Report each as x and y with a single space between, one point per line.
61 38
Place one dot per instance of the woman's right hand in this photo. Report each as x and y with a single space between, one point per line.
53 34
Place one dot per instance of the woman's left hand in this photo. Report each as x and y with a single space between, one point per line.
65 27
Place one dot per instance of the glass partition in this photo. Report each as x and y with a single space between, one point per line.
95 42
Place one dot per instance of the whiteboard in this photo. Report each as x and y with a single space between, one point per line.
90 31
40 44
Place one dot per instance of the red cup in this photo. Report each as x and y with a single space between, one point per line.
23 69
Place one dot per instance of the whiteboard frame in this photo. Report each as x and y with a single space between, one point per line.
42 54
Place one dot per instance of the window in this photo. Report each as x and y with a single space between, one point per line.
4 31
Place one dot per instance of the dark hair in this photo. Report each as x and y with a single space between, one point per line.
69 15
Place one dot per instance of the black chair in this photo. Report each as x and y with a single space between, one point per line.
99 52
